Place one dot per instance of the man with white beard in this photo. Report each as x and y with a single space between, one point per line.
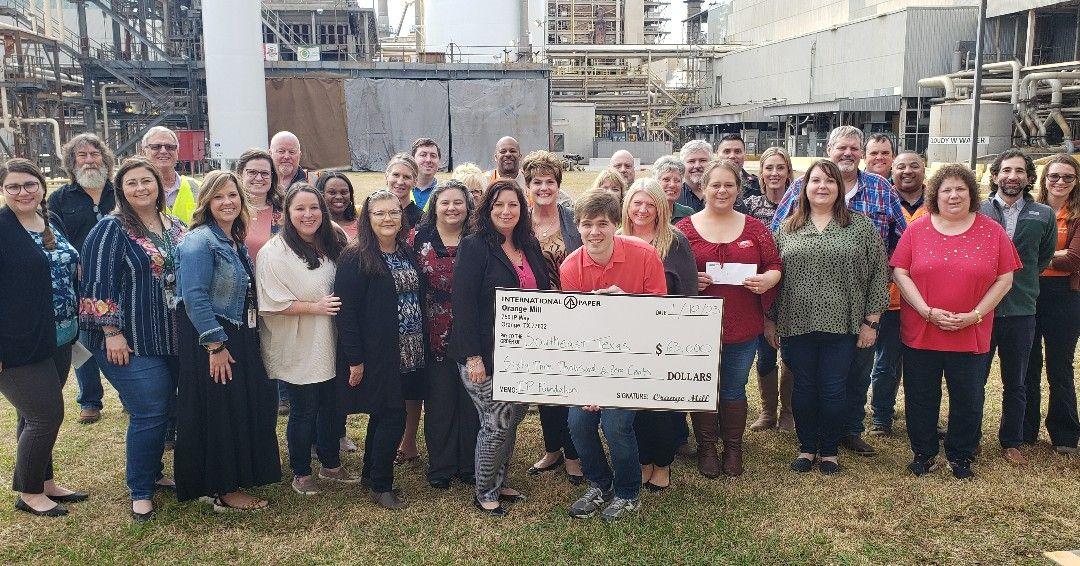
869 194
87 198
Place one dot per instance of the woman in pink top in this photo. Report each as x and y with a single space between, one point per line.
952 268
720 235
256 171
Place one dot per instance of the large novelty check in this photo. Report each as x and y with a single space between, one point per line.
632 351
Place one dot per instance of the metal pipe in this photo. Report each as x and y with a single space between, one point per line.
105 107
50 121
941 81
976 105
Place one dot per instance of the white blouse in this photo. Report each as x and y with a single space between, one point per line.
297 349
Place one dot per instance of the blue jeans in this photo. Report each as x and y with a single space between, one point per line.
1012 338
922 401
618 425
147 387
735 362
820 362
88 377
766 356
310 415
888 366
858 385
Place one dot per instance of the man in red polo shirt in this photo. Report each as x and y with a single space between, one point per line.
607 263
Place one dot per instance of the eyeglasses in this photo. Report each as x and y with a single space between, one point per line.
159 146
1054 178
384 214
31 187
256 174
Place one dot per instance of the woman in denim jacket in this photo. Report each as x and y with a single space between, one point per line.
227 407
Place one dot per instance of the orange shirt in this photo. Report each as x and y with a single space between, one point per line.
1062 229
634 267
894 291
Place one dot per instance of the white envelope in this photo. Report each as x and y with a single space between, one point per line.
730 273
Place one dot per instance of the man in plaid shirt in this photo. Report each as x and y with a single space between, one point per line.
873 196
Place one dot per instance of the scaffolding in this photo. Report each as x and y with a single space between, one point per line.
632 100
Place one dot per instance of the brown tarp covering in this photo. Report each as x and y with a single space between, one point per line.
314 110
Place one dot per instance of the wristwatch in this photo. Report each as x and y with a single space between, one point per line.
874 325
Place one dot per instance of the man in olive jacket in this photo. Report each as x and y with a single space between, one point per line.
1033 231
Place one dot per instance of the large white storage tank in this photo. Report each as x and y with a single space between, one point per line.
950 130
235 78
469 31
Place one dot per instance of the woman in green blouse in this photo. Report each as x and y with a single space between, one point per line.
831 297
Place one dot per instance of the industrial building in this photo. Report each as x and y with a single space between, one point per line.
903 67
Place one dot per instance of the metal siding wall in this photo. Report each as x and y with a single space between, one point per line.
932 35
861 59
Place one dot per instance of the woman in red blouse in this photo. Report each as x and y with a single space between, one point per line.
450 419
952 267
723 239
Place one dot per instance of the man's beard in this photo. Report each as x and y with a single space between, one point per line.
694 179
1012 191
90 177
511 172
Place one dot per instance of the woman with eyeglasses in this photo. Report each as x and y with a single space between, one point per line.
260 179
38 324
380 336
256 171
1057 313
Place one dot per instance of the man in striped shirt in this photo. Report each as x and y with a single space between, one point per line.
873 196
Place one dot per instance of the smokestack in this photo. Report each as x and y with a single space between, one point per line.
383 18
523 45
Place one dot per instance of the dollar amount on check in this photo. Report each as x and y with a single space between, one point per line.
631 351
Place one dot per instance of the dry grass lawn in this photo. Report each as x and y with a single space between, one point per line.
873 513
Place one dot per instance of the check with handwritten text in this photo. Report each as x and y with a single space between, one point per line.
630 351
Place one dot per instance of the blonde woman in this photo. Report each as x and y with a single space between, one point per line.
647 216
611 181
226 418
401 174
473 177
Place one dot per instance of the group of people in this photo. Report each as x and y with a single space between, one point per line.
190 298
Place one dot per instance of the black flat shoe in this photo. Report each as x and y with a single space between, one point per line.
575 480
535 471
655 488
828 468
73 497
439 484
499 511
516 498
802 465
142 517
54 511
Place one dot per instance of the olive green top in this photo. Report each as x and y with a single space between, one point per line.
832 278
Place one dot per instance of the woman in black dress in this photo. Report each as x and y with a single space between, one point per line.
227 407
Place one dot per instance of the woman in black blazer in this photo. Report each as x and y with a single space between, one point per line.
380 335
38 308
503 252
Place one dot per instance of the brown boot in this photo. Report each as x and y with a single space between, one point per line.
786 422
732 427
705 425
768 386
